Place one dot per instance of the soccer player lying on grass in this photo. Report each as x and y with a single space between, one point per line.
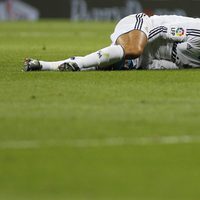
139 42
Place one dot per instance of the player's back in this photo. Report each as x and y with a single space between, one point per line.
158 20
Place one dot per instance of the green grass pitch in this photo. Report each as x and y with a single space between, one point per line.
93 135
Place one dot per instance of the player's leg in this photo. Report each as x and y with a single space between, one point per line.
129 46
38 65
129 40
100 58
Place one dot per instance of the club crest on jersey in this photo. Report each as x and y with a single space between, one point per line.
177 31
180 32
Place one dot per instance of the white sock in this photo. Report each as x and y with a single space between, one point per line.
51 66
101 58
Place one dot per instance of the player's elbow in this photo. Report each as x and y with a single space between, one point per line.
133 52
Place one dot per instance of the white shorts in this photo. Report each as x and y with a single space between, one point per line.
132 22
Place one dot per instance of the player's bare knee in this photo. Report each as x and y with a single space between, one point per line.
132 52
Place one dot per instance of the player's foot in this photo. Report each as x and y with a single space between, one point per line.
31 65
69 66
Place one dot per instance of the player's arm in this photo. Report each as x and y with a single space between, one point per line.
162 65
187 54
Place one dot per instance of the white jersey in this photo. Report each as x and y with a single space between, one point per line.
174 39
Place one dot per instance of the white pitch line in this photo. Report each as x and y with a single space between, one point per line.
19 145
109 142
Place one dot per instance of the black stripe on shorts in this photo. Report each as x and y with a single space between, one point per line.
139 21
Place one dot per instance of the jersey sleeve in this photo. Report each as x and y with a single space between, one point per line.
132 22
162 65
168 32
